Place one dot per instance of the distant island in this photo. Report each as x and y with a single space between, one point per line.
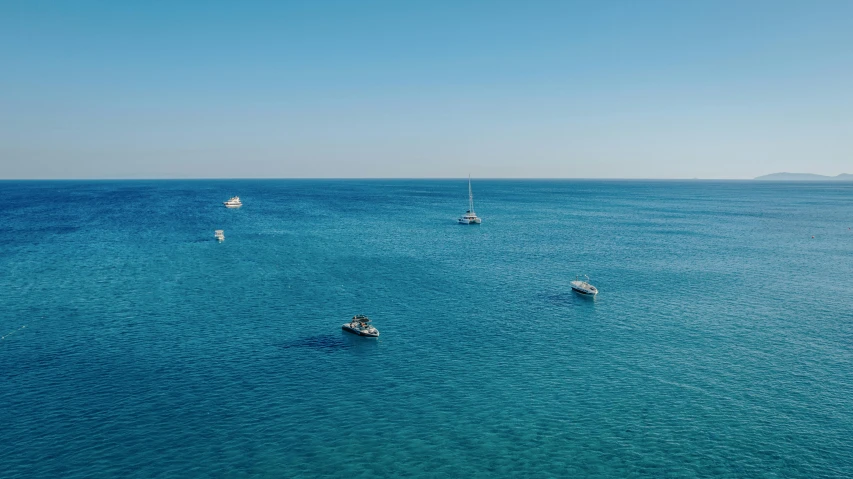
804 177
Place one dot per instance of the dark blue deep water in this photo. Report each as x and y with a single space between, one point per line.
134 345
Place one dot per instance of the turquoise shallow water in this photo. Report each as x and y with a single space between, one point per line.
135 345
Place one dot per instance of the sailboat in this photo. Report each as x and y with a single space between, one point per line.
583 287
470 218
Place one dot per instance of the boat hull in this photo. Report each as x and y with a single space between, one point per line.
585 293
348 329
584 290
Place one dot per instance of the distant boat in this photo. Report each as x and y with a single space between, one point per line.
233 202
360 325
220 235
583 287
470 218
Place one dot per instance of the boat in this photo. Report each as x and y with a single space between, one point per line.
583 287
470 218
233 203
360 325
220 235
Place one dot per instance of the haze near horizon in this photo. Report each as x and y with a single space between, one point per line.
660 89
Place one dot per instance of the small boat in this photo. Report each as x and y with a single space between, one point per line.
583 287
233 203
220 235
470 218
360 325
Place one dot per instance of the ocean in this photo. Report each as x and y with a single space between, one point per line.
135 345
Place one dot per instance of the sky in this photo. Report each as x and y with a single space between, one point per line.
368 89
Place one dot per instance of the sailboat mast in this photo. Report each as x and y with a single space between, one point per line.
470 196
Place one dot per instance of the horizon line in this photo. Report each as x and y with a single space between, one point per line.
212 178
762 178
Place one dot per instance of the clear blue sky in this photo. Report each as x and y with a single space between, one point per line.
624 89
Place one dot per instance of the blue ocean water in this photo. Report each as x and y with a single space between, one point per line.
135 345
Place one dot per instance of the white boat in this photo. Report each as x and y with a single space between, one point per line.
233 202
470 218
360 325
220 235
583 287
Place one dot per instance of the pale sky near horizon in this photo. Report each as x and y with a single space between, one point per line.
569 89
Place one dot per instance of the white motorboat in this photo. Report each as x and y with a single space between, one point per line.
220 235
360 325
583 287
233 202
470 218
